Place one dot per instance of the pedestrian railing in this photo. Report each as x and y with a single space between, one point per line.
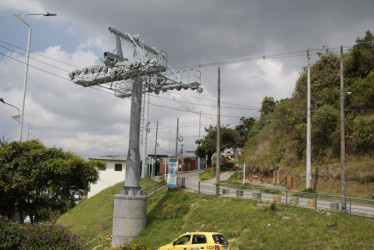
349 205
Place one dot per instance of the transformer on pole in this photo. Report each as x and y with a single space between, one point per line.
131 78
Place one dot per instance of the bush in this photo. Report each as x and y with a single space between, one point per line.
227 166
14 235
135 245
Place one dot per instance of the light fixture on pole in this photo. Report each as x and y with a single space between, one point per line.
16 117
21 18
2 100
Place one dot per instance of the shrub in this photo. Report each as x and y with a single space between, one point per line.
14 235
135 245
226 166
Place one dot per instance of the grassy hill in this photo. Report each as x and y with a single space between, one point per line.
246 223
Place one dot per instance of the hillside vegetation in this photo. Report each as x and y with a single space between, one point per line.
277 140
246 223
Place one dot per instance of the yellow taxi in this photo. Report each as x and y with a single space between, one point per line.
198 241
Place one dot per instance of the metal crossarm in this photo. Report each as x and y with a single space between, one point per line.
118 72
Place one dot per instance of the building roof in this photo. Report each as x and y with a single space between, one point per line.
110 158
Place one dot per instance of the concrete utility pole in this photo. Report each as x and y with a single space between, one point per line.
176 144
342 132
130 79
309 129
218 130
198 158
155 155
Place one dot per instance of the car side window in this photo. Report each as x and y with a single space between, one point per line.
184 240
219 239
198 239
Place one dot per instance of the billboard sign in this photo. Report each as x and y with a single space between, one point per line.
171 180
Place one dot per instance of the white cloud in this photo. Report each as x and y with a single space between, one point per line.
28 6
59 112
80 119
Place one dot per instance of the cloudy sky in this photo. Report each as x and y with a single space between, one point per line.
259 45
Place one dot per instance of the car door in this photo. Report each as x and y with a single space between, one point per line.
198 242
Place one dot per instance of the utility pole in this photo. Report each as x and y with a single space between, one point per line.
145 135
309 129
198 158
176 144
218 131
182 159
342 132
155 155
169 154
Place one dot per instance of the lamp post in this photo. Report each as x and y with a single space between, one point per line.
21 18
2 100
16 117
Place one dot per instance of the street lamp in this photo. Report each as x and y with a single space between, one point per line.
21 18
16 117
2 100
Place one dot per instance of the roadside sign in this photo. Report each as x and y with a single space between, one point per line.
171 181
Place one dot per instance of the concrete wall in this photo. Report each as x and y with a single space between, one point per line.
108 177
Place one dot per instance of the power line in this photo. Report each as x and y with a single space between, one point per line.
245 108
41 55
188 111
212 100
53 74
45 71
35 59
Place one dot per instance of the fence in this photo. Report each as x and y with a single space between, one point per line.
353 206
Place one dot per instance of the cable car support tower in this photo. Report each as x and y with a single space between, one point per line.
149 72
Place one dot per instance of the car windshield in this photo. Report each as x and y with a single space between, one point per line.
219 239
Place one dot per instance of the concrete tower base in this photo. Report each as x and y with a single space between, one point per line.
129 218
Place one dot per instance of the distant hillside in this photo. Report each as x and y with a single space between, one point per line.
277 141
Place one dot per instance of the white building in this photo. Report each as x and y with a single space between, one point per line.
113 173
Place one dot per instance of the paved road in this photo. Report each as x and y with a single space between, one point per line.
355 206
192 178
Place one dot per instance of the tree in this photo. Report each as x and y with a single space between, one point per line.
241 132
267 106
361 60
325 123
35 180
243 129
208 145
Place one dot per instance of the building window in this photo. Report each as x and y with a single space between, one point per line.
118 167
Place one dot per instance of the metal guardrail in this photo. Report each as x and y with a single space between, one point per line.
351 205
152 188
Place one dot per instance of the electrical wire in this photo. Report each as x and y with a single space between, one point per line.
188 111
31 52
207 105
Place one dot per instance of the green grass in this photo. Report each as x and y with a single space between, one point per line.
86 219
246 224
